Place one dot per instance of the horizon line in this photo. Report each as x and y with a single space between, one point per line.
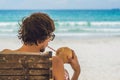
64 9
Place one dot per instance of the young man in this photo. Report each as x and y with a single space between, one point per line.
36 31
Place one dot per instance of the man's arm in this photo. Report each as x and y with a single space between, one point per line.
58 68
75 66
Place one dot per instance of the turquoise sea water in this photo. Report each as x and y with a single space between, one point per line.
67 22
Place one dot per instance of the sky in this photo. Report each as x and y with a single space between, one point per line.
59 4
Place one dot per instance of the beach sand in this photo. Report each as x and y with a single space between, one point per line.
99 57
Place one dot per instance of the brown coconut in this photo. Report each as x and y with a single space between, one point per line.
64 53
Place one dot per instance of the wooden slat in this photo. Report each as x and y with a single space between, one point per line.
29 65
22 72
23 78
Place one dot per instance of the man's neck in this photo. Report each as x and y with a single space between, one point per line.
29 48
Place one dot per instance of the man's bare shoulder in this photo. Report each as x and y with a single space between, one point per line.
57 59
57 62
5 51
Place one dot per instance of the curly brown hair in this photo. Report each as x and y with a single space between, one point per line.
35 28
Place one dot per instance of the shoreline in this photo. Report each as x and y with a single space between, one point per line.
14 42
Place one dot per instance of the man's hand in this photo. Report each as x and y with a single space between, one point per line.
75 66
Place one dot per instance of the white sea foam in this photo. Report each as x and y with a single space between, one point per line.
78 28
101 29
106 23
87 23
4 24
6 30
72 23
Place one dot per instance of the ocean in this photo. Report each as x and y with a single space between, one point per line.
83 23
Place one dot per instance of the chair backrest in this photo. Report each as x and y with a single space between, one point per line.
26 66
